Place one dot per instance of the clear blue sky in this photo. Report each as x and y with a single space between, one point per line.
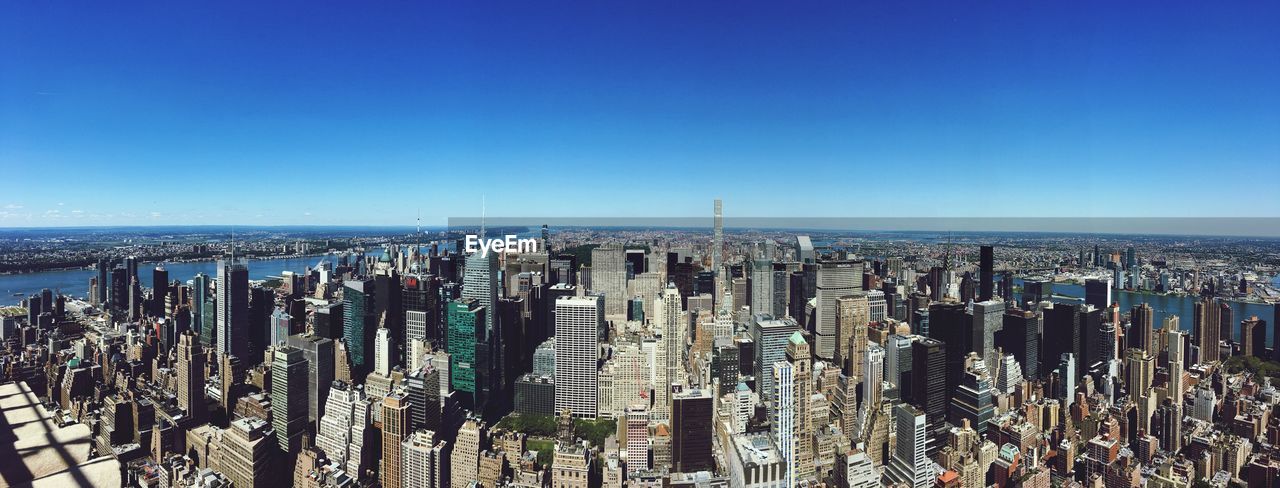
362 112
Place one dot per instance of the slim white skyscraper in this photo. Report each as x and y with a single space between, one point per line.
872 383
382 348
784 419
578 324
672 328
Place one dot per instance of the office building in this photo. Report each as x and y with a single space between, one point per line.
233 308
358 325
609 277
691 421
191 370
395 428
986 273
578 324
289 398
909 464
834 279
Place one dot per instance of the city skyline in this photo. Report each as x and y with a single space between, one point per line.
118 112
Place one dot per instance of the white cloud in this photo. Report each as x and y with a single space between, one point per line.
155 215
77 211
13 206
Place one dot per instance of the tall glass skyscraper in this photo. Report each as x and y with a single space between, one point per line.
358 324
233 308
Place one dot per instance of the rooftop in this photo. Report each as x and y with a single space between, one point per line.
50 455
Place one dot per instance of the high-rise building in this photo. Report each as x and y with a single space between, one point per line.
246 453
717 240
929 379
671 350
382 348
609 277
987 321
800 355
974 399
578 324
1097 292
466 322
784 419
762 287
834 279
422 458
395 428
464 461
289 398
480 283
1140 369
341 432
1020 336
872 384
1206 329
201 309
986 273
769 337
191 367
1141 334
853 316
909 464
691 420
1067 379
1177 364
159 291
1253 337
233 308
319 353
637 438
358 325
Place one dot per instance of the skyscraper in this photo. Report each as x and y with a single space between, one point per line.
422 458
1253 337
986 273
289 398
909 464
671 350
395 428
762 287
358 325
1141 335
201 310
637 438
770 340
466 322
480 283
1020 336
1207 330
835 279
233 308
853 316
609 277
578 323
784 419
717 240
1097 292
691 421
382 349
191 364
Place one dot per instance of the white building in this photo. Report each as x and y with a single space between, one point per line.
578 324
423 459
382 352
909 464
784 418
